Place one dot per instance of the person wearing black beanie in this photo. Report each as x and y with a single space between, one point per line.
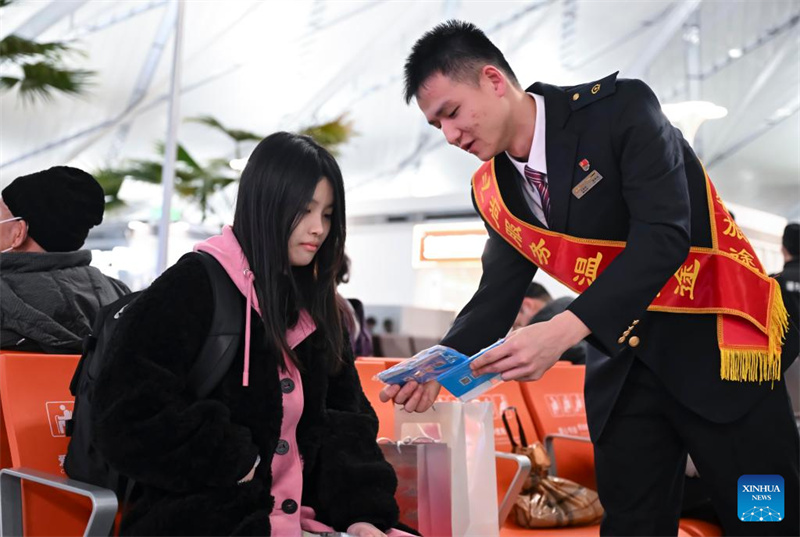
50 293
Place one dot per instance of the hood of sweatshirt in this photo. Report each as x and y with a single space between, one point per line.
227 251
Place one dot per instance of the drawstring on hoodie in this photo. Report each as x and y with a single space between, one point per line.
225 249
250 277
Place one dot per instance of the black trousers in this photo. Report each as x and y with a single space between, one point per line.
640 459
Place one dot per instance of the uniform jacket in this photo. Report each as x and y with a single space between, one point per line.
652 196
50 299
789 280
188 454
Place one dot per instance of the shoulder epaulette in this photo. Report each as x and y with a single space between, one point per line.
585 94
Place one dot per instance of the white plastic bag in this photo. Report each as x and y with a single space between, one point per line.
468 430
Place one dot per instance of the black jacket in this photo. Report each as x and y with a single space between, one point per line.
652 196
789 280
50 299
189 454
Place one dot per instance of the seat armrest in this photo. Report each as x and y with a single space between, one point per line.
548 445
104 501
522 473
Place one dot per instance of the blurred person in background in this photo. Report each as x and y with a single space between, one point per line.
353 315
536 297
575 354
49 295
789 280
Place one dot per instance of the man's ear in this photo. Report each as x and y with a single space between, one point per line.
20 234
496 78
527 304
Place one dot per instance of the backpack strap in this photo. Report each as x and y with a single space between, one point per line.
222 341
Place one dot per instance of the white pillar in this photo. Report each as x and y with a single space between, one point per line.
171 145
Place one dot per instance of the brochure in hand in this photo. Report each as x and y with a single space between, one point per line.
448 367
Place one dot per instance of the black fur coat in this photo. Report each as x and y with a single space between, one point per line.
188 454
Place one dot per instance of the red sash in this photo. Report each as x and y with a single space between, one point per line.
726 279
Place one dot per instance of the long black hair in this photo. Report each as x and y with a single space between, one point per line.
276 187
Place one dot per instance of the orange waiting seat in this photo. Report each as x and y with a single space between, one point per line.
367 369
36 497
559 413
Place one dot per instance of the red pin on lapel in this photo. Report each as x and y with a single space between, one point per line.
584 164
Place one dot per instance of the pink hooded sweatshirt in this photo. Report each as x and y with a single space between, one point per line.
287 469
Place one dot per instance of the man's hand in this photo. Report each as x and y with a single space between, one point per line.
527 353
364 529
414 397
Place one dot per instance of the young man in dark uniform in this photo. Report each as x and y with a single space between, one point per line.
789 280
593 185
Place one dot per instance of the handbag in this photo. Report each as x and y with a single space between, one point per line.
548 501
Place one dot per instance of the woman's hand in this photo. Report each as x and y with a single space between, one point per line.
414 397
364 529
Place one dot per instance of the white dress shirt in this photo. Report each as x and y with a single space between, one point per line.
537 160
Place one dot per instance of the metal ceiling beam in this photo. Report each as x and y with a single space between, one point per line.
43 19
427 143
691 43
569 23
754 91
146 75
101 129
516 17
781 115
199 52
106 20
638 68
643 26
762 39
98 129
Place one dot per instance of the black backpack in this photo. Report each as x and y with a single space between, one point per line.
83 461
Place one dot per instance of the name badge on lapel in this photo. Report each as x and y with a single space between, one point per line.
586 185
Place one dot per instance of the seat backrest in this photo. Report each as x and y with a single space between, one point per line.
503 396
557 405
367 369
36 402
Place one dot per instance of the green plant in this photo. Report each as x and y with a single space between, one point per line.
193 181
198 182
41 69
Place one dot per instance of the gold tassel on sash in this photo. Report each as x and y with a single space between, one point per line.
756 365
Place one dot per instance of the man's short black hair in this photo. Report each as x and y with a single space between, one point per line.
791 239
456 49
537 290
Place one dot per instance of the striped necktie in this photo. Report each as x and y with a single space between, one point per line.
538 181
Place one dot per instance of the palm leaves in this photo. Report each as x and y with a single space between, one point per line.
197 182
193 181
332 134
41 71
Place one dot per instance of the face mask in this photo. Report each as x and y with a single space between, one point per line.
3 222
